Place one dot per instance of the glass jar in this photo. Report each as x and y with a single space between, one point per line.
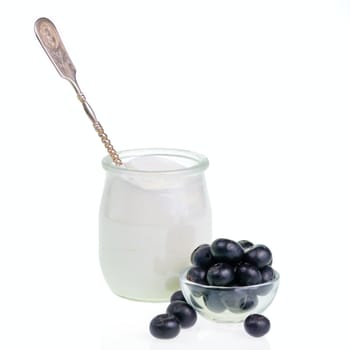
155 210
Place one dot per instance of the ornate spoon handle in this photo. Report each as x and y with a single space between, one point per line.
52 44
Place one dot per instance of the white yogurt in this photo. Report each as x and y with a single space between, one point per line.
149 225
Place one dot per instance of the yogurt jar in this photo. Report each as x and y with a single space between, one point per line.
155 210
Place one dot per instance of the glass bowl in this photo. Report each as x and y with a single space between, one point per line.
228 304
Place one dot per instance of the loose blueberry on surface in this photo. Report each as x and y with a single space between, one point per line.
202 256
245 244
197 275
183 312
247 274
259 255
221 274
177 296
213 302
165 326
226 250
257 325
267 274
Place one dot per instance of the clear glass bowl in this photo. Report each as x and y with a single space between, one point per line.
229 304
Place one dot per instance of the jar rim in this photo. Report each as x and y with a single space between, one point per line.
201 162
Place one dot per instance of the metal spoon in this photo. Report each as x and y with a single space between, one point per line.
51 42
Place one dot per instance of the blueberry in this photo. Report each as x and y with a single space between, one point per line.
257 325
259 255
249 303
213 302
183 312
165 326
238 300
225 250
233 299
177 296
197 275
267 274
245 244
202 256
221 274
247 275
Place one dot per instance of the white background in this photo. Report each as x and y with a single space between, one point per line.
260 87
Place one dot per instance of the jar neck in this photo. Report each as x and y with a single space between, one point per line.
157 162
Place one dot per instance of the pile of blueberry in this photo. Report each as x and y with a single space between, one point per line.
229 263
223 263
178 315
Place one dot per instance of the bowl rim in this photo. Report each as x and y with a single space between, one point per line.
183 279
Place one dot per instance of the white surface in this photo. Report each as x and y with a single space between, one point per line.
260 87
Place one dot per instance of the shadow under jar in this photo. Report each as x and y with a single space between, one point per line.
154 211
